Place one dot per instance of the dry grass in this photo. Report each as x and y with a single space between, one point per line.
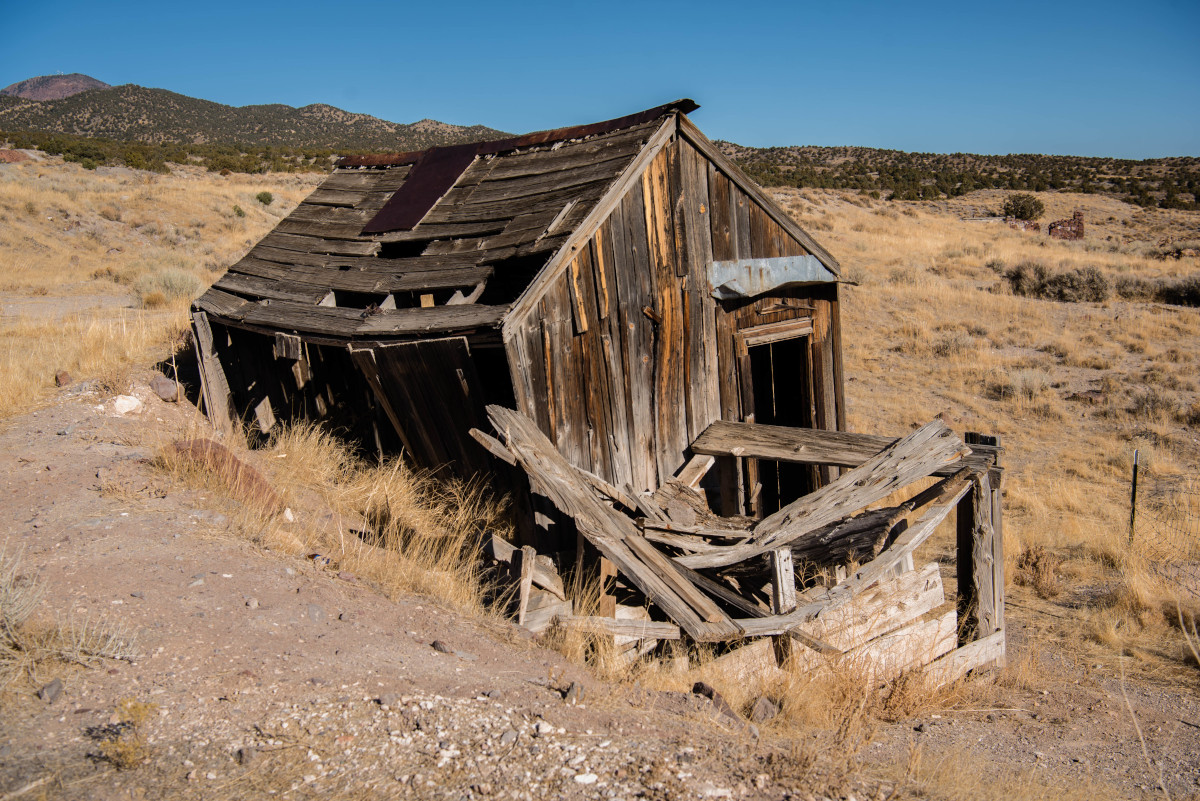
79 245
403 531
29 646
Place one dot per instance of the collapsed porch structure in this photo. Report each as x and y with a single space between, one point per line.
735 580
657 344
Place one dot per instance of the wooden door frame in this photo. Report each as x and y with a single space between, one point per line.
743 340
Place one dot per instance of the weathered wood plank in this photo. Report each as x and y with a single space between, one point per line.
213 383
603 526
311 244
669 353
806 446
953 666
693 135
783 581
638 629
635 288
913 457
880 609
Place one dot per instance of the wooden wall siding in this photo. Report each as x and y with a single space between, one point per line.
432 396
627 357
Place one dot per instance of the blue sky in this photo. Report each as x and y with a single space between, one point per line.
1096 78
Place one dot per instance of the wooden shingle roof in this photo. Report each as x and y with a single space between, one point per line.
370 254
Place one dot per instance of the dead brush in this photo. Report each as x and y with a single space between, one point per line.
1039 569
123 744
27 646
399 529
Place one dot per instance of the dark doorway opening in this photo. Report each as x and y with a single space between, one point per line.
779 373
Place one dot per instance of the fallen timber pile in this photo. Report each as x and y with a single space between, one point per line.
732 580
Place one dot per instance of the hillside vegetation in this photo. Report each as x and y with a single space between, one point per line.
1170 183
157 116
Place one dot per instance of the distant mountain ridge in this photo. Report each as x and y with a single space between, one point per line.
158 116
53 87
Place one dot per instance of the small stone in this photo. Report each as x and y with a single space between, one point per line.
125 404
483 788
508 738
316 614
764 710
345 576
252 603
921 727
493 694
62 378
50 692
210 776
574 694
346 616
761 781
197 583
165 388
246 755
441 647
542 729
137 594
390 700
586 778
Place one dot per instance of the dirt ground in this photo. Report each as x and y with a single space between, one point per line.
260 675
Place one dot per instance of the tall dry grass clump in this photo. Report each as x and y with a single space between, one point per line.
403 530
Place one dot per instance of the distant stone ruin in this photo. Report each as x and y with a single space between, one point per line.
1067 229
1022 225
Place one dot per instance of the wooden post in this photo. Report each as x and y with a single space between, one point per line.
214 386
981 554
528 555
783 581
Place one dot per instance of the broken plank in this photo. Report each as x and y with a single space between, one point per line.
953 666
544 575
639 629
913 457
878 610
606 528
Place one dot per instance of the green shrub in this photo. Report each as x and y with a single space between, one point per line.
1024 207
238 211
264 198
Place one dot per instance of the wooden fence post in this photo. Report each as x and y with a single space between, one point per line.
981 554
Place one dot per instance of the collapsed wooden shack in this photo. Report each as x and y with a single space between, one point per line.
623 292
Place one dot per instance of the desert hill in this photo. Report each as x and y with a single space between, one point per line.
158 116
53 87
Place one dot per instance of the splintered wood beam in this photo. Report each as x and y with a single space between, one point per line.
607 529
726 438
693 472
783 582
525 584
821 600
544 574
914 457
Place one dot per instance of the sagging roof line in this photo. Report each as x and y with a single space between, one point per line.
436 170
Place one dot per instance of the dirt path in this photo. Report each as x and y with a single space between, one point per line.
270 676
